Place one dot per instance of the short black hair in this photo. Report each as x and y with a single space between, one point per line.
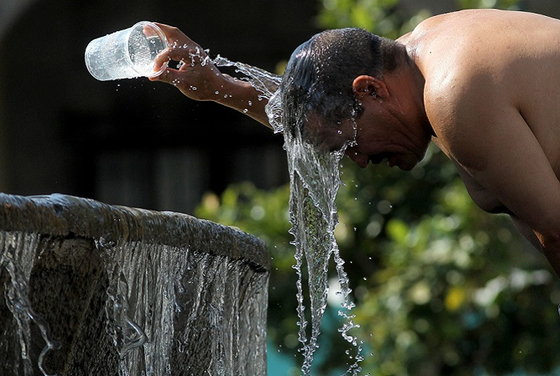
319 75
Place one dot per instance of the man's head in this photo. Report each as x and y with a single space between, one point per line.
317 86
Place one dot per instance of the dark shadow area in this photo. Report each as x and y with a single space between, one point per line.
135 142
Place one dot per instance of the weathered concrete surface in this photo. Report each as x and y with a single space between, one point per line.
68 286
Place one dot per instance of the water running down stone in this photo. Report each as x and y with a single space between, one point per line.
93 289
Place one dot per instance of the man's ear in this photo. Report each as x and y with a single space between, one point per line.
365 85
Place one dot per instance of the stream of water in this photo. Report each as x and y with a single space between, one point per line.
17 258
314 182
150 338
140 326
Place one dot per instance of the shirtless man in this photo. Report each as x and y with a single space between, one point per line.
484 85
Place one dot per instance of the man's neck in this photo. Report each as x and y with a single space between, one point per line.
407 84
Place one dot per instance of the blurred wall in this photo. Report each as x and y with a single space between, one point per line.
134 142
10 10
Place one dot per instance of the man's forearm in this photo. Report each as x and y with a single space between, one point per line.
548 245
243 97
198 77
551 249
527 232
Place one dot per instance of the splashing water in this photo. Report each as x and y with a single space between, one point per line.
129 310
314 183
130 305
18 261
263 81
315 180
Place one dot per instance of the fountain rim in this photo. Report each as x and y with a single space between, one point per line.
69 216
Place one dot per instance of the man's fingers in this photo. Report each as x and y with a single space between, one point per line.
175 36
180 48
185 56
169 75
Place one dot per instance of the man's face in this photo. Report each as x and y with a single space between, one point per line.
376 143
372 137
328 137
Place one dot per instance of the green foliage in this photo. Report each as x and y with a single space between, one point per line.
487 4
382 17
441 287
451 290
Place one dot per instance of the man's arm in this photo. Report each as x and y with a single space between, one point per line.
480 196
527 232
198 78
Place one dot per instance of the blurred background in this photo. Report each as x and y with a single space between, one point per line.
441 287
133 142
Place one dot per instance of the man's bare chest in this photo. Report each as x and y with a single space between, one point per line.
482 197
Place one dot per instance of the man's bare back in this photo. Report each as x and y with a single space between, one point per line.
479 49
491 74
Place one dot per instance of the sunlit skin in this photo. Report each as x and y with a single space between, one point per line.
382 130
201 81
484 85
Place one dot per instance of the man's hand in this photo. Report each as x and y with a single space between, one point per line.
195 76
198 78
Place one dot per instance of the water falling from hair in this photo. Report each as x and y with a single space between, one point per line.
315 179
314 182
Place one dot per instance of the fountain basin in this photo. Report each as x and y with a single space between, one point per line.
96 289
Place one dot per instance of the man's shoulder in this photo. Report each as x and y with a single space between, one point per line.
454 87
462 105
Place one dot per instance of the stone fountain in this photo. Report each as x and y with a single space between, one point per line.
95 289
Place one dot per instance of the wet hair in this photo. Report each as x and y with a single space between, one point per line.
319 75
